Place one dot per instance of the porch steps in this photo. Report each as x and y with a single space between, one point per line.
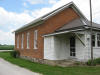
66 63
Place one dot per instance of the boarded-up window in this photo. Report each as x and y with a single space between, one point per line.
35 39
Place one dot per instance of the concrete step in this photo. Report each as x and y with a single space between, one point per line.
65 63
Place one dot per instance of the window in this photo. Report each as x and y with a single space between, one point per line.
22 40
98 40
18 41
35 39
72 46
93 40
28 35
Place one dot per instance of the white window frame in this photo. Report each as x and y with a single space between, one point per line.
98 39
28 38
35 39
18 41
22 41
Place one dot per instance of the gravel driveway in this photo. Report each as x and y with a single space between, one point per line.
7 68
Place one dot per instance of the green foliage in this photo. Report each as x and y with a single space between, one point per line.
78 63
6 47
95 62
15 54
50 70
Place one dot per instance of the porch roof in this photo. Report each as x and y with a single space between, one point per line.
78 23
63 32
71 31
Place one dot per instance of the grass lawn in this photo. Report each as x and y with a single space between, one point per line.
50 70
6 47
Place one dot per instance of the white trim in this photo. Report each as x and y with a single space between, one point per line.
80 39
18 41
57 10
62 32
22 41
28 37
71 4
95 33
35 39
83 22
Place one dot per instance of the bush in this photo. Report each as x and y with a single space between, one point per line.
15 54
95 62
90 63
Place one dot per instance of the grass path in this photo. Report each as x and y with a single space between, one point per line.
50 70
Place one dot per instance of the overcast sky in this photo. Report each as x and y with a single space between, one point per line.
16 13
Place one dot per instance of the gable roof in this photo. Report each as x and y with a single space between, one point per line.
45 17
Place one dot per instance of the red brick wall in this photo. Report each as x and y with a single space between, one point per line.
48 26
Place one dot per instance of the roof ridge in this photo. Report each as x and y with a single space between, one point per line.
48 15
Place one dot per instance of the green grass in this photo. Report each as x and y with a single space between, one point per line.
50 70
96 61
6 47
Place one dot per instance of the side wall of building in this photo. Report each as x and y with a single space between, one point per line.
48 26
96 49
84 52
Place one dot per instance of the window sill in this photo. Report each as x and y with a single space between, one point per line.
27 48
35 48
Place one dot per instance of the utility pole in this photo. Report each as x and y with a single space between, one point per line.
91 31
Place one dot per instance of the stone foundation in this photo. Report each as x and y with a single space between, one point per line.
62 63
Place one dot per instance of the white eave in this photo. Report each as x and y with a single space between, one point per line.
64 32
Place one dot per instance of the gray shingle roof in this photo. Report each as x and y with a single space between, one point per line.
75 23
78 23
50 14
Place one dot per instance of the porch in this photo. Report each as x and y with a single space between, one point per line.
65 46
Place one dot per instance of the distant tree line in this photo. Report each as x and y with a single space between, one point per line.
6 47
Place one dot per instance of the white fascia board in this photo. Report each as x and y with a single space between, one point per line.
29 24
57 33
71 4
59 9
78 11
